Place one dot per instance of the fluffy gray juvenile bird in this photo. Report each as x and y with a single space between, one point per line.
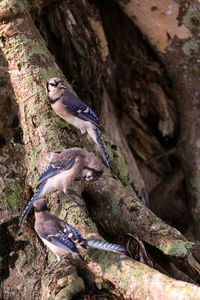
70 108
72 164
61 238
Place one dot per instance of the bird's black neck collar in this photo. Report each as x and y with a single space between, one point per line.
52 101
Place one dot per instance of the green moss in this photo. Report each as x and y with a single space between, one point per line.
70 281
99 282
177 248
27 47
190 46
12 195
36 90
11 9
130 205
157 225
118 158
123 172
119 270
126 280
76 285
76 216
115 204
33 158
8 4
154 220
191 14
46 279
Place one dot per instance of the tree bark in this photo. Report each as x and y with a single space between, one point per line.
112 202
171 29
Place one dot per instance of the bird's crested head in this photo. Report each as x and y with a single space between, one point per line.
40 205
55 89
93 167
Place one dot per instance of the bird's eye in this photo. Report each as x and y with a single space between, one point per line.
52 84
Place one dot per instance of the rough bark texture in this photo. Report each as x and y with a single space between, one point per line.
130 86
177 45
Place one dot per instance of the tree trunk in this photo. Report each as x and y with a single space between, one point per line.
114 70
171 29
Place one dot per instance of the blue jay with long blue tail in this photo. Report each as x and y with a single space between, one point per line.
61 238
70 108
72 164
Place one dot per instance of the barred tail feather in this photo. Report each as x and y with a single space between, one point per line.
106 246
103 150
30 204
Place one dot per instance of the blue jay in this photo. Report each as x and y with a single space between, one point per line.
72 164
61 238
70 108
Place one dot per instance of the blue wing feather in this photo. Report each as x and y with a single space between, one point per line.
30 204
61 234
79 109
103 150
45 170
75 234
54 168
64 242
49 172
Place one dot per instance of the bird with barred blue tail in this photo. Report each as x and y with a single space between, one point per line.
72 164
70 108
62 239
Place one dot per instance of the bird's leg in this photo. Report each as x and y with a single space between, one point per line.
70 194
77 140
49 270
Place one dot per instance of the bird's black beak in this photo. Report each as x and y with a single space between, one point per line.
95 176
47 88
